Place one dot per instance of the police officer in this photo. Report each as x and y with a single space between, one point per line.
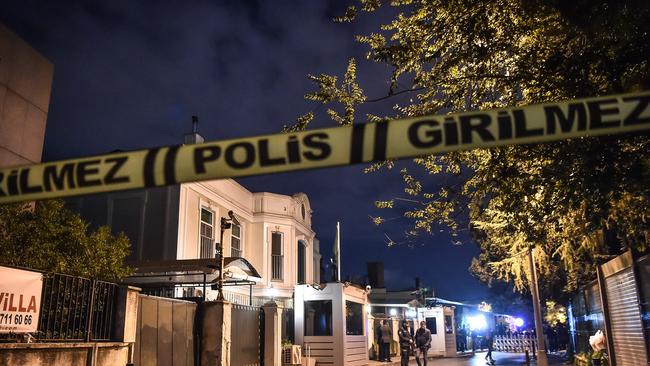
405 342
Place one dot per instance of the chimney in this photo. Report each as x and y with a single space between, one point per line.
194 137
376 274
417 283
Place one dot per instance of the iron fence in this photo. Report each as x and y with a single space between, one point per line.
515 343
74 309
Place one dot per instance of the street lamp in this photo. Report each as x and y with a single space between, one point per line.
226 223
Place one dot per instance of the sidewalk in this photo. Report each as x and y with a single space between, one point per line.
468 359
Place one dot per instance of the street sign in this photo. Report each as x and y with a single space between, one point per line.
328 147
20 300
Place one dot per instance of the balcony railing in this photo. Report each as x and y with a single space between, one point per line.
207 248
276 267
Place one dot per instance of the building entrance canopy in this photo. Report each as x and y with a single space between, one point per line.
238 271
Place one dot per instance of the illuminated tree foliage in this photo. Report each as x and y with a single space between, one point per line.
554 314
48 237
577 202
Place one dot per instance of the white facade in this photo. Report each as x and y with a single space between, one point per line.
264 217
166 223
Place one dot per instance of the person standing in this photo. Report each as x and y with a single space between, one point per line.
405 342
385 336
422 343
489 340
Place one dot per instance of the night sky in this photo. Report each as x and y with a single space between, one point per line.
129 75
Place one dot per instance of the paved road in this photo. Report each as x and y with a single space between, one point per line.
505 359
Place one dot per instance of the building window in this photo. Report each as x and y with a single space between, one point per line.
432 325
235 241
318 318
207 233
277 257
353 318
302 211
301 262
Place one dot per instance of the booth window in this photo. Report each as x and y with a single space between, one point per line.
449 327
353 318
318 318
431 324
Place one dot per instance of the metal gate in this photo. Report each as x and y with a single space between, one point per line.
623 313
245 335
165 332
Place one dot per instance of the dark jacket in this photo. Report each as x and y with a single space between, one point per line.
423 338
405 338
385 334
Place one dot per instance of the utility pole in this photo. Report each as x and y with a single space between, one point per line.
542 359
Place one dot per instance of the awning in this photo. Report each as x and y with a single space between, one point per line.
238 271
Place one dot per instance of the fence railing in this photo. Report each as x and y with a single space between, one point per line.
276 267
74 309
515 343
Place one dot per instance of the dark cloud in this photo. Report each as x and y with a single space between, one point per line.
129 74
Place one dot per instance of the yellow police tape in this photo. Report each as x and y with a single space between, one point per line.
327 147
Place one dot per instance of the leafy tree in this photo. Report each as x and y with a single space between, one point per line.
555 314
49 237
576 202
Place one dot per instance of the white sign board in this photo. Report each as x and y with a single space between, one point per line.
20 300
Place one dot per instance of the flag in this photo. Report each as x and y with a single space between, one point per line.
336 261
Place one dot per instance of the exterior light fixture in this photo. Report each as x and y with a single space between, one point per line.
273 292
477 322
519 322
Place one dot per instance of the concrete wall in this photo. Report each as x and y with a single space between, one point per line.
69 354
25 84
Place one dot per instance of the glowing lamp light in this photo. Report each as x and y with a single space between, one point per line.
393 312
477 322
273 292
519 322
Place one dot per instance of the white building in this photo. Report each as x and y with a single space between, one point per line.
182 222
